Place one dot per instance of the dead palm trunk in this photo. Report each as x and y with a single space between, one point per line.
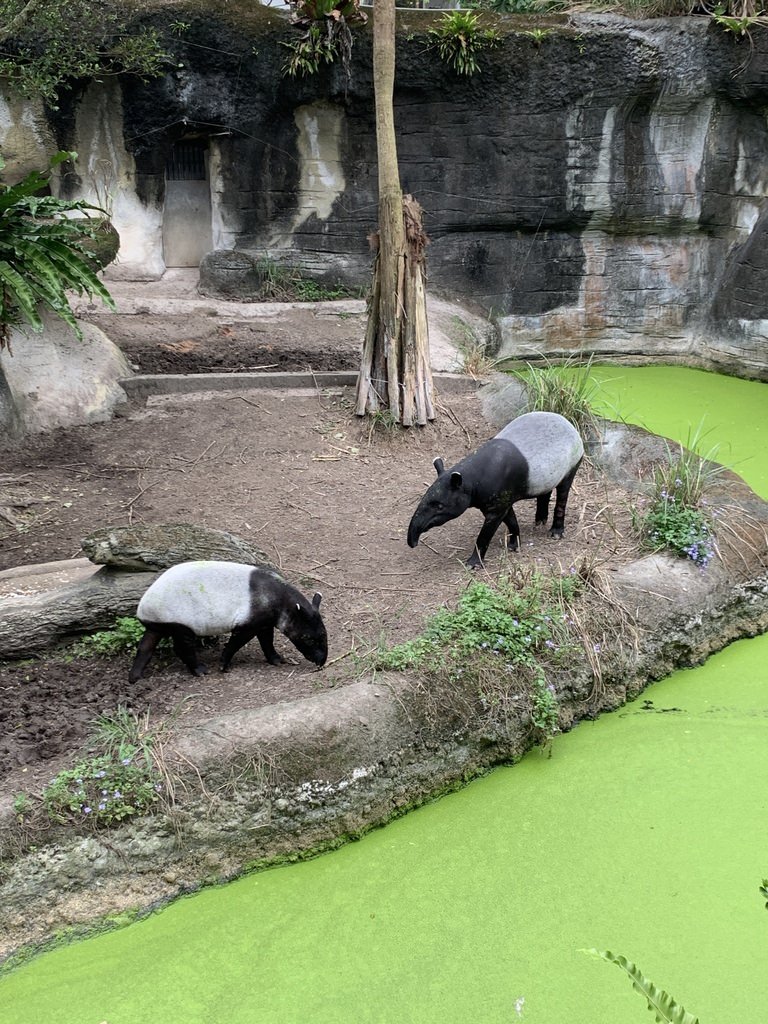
395 372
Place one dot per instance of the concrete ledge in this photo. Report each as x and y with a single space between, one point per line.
142 386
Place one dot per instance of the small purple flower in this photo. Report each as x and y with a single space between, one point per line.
126 760
117 794
87 810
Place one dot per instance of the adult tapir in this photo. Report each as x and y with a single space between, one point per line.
211 598
531 456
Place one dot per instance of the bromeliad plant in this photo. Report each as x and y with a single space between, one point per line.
459 40
44 253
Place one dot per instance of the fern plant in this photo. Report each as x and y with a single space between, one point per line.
44 253
660 1003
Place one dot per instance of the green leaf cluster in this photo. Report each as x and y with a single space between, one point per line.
510 624
122 638
46 45
459 41
676 518
44 252
103 790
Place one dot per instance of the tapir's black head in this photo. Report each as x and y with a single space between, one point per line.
444 500
306 630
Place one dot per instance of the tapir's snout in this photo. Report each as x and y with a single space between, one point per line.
414 532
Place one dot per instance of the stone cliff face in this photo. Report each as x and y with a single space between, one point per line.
603 190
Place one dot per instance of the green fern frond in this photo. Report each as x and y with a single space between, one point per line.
78 272
22 295
660 1003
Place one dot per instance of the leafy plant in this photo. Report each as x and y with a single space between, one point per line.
538 35
662 1006
45 45
327 34
676 518
738 26
459 41
43 253
568 389
492 631
124 637
103 790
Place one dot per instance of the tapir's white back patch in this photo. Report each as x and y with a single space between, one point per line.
549 443
209 597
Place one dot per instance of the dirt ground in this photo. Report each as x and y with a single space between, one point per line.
324 494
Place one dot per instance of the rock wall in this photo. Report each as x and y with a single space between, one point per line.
600 189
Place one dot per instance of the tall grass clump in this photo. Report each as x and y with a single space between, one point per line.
492 651
677 518
568 389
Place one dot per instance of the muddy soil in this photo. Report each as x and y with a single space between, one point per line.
324 494
299 339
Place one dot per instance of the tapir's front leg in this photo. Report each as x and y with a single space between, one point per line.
265 635
513 538
490 526
239 638
145 650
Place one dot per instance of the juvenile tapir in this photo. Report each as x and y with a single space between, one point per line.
531 456
210 598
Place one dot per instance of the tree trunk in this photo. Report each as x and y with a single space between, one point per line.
395 372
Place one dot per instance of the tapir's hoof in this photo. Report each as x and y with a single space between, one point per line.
201 670
556 534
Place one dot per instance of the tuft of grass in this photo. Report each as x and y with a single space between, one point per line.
284 283
568 389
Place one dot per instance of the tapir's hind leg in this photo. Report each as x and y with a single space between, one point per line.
147 644
542 508
239 638
185 647
562 491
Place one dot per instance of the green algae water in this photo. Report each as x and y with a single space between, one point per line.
644 833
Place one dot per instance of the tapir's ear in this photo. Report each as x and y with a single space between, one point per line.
439 465
455 481
316 599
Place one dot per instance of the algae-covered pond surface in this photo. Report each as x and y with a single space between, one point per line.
644 833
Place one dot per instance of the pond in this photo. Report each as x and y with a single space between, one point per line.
643 833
